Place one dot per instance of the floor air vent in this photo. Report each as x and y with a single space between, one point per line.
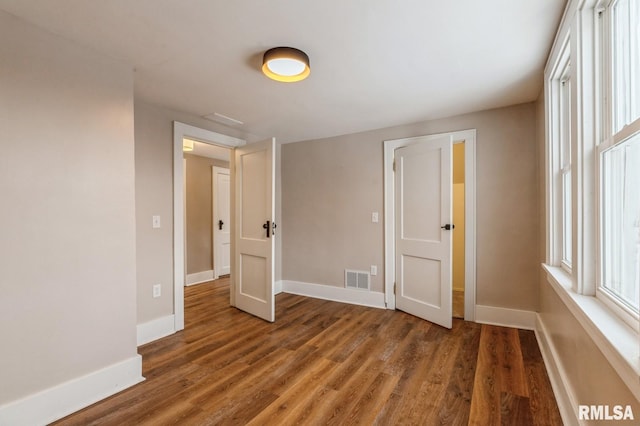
360 280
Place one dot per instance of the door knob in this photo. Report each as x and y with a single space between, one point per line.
220 223
267 226
448 227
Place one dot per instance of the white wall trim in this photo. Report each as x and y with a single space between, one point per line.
200 277
180 131
59 401
565 398
373 299
469 137
155 329
277 289
506 317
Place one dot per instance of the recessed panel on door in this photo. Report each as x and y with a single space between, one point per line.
254 214
421 280
420 216
253 273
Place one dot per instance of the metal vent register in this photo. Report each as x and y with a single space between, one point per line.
360 280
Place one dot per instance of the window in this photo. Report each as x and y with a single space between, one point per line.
619 159
620 222
625 61
560 165
592 107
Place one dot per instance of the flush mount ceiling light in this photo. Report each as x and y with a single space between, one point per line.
285 64
187 145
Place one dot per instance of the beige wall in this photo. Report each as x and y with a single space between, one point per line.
199 212
329 190
331 186
67 293
540 142
154 196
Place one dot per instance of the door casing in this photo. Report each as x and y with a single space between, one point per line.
469 138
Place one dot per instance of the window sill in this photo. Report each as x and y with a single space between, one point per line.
618 342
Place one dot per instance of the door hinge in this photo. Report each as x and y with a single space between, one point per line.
394 165
394 289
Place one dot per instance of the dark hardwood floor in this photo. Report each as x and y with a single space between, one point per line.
324 362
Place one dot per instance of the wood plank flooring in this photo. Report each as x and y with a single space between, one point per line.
329 363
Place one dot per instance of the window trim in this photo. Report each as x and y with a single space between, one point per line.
565 150
560 72
629 315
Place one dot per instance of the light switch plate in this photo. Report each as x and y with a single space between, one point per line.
374 270
157 290
374 217
156 221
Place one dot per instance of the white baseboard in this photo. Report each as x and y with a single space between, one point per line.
155 329
278 287
372 299
557 375
505 317
59 401
199 277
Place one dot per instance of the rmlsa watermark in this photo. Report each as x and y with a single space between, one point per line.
605 412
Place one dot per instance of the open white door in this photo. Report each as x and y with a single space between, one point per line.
221 221
254 242
423 184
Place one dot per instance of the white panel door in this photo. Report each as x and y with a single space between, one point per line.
221 221
254 242
423 185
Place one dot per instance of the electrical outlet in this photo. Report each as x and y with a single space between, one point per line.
157 290
374 270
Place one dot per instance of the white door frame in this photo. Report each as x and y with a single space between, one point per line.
181 131
214 193
469 137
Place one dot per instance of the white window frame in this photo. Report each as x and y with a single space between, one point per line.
608 139
559 134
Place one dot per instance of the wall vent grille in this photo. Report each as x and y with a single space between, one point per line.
359 280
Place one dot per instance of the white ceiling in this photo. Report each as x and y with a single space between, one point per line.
374 63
